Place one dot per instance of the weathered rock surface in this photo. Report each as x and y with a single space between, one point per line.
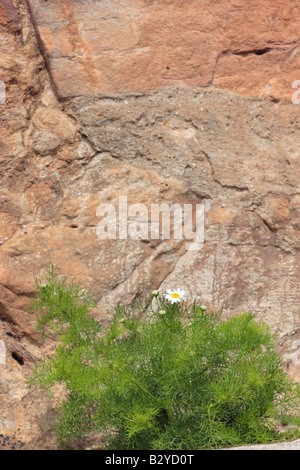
137 46
9 17
162 103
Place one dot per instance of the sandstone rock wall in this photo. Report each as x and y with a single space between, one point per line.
160 101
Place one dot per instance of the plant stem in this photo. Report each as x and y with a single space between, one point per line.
169 409
142 388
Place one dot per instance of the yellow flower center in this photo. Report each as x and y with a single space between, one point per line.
175 296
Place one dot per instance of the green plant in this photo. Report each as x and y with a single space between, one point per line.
163 375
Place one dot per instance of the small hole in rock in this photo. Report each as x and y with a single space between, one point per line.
17 358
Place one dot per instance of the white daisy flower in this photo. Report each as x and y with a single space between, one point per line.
175 295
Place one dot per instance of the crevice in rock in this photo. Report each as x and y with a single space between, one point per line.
253 51
17 357
289 48
266 223
225 186
41 48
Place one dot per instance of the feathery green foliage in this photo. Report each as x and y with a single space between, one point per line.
162 376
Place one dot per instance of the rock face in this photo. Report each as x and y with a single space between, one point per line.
160 102
137 46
